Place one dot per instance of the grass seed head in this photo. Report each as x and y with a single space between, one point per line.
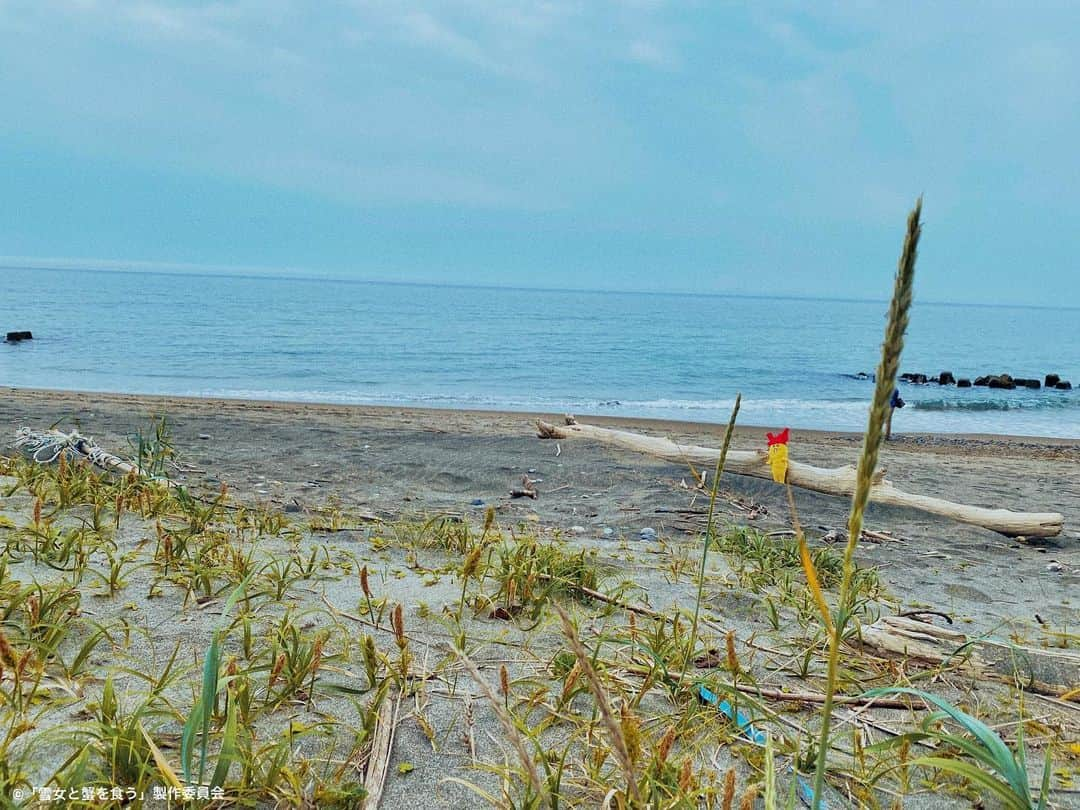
471 562
663 749
686 776
399 626
729 790
365 586
748 799
275 673
732 658
7 654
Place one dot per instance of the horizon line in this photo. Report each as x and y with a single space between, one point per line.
172 269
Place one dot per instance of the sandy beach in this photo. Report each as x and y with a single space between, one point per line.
407 462
399 464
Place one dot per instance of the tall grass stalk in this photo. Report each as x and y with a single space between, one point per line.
607 714
709 529
513 734
891 349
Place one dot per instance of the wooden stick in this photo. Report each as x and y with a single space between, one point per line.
1046 671
779 694
829 480
382 746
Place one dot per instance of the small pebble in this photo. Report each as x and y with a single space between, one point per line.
648 534
578 529
292 508
608 531
204 436
1055 567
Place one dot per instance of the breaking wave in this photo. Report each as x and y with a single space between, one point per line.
1062 401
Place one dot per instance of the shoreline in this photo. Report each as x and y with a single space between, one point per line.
900 439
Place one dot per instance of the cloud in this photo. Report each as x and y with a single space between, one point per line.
422 28
650 54
607 119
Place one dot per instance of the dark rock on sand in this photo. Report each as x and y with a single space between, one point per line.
946 378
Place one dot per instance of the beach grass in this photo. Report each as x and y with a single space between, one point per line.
159 637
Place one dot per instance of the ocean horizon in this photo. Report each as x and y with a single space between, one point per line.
674 355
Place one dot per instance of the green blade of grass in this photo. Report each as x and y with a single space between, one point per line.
997 755
975 776
229 751
709 529
201 714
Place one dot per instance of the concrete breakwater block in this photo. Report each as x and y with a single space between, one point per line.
15 337
1002 381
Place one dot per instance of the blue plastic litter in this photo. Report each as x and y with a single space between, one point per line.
756 736
741 720
477 501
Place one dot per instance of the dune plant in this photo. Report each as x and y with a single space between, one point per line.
891 349
996 771
153 450
198 721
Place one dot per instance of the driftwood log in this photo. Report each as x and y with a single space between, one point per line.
829 480
1046 671
46 446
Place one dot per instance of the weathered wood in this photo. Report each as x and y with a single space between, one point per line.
382 747
1047 671
829 480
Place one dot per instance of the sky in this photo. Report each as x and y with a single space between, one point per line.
756 148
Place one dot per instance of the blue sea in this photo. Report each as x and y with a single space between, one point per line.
627 354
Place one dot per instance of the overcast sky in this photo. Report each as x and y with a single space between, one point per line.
753 148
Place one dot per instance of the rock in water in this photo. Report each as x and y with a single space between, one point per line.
1064 385
1052 380
917 379
946 378
15 337
963 382
1002 381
